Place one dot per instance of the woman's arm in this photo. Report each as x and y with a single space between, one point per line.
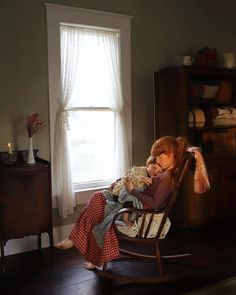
156 195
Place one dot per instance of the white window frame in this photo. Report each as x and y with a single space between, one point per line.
57 14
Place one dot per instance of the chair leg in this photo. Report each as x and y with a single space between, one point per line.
158 257
104 267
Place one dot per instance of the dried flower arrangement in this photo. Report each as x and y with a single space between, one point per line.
33 124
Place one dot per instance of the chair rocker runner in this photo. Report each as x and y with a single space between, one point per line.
147 233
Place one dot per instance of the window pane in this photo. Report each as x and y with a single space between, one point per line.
91 145
95 67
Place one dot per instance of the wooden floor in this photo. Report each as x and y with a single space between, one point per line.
34 272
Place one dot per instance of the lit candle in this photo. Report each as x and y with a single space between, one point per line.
9 148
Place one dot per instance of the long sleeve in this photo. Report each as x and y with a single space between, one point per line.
156 195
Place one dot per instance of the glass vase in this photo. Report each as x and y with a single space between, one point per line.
30 159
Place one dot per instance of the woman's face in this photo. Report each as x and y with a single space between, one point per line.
165 161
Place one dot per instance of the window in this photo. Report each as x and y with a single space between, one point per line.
92 148
92 113
91 117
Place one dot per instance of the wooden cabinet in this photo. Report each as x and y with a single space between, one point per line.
25 200
190 102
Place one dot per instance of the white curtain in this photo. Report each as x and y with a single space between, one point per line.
62 182
122 159
74 43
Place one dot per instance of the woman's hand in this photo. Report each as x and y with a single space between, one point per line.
146 180
129 184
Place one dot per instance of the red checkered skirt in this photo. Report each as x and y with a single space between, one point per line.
84 239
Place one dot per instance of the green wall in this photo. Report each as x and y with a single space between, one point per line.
160 29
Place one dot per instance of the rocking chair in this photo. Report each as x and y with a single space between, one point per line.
145 220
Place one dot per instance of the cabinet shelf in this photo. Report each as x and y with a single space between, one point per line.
199 101
201 71
212 128
173 100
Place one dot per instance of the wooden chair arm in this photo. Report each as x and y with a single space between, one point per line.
135 210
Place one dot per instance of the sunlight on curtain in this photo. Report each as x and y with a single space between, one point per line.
90 69
62 184
99 85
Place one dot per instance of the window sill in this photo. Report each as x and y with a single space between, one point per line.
83 195
99 188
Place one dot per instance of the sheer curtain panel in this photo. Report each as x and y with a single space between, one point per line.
76 43
62 184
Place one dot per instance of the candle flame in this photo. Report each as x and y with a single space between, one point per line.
9 148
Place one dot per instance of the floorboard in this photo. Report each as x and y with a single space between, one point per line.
214 249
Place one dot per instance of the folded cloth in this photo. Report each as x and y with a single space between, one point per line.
196 118
233 111
223 111
225 119
210 91
201 180
224 94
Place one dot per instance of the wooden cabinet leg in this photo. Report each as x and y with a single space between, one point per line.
51 238
50 233
2 257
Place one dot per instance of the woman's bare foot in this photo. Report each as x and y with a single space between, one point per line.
64 245
89 266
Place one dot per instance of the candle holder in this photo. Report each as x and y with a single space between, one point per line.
10 160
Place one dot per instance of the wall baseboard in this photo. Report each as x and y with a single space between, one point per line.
29 243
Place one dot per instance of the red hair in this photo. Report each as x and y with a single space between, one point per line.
170 144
